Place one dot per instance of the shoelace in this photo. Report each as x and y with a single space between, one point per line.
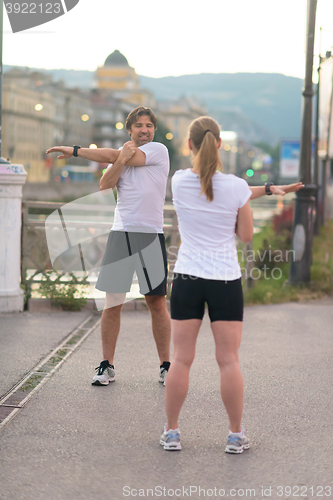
101 369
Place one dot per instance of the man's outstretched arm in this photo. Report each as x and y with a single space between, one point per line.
258 191
100 155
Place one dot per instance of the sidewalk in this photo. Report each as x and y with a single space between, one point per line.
76 441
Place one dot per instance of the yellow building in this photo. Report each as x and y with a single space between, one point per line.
121 80
116 74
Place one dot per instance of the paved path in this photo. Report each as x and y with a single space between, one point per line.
81 442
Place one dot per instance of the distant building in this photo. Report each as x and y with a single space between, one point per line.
177 116
109 120
63 115
228 151
118 78
27 128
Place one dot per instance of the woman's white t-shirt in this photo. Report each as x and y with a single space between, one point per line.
141 192
207 228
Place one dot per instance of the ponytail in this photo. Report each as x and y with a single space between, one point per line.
204 135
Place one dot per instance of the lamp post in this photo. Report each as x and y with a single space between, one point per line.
300 267
316 160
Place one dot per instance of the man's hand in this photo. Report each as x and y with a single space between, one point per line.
128 150
288 188
66 151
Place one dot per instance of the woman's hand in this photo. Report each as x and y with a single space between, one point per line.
288 188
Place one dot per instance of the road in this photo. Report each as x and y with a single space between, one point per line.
77 441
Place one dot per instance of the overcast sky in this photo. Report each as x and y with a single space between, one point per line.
175 37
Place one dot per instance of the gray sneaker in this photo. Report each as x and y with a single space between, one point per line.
170 440
237 444
105 374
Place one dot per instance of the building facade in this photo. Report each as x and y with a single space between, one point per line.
39 113
27 129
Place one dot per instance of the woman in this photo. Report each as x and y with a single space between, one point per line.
211 207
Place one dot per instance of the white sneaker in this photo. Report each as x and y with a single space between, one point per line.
170 440
237 444
105 374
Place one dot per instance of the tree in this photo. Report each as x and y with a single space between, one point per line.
160 136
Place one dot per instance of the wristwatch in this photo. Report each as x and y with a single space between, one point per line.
75 150
268 187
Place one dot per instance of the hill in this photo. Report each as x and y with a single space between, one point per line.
259 106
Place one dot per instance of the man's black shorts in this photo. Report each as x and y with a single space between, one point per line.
129 252
190 294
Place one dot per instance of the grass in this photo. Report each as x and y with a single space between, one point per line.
274 290
31 383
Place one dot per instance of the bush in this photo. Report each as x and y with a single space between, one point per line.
61 294
283 223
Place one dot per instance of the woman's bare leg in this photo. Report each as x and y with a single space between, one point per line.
185 335
227 335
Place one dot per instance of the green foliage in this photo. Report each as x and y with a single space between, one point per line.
31 383
272 290
63 294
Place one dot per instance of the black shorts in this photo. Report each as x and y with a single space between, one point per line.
126 253
190 293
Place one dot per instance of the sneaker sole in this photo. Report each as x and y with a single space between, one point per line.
230 449
97 382
171 447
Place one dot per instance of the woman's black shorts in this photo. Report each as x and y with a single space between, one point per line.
190 293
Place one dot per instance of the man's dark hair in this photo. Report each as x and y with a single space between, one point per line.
140 111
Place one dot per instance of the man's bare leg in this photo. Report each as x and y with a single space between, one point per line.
161 325
110 324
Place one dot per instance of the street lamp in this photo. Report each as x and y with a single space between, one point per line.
300 266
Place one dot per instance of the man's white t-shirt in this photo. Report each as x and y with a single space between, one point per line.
141 192
207 228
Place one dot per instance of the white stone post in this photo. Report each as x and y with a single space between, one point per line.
12 178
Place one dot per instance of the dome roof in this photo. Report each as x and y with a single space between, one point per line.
116 59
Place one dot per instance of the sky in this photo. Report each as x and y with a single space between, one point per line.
175 37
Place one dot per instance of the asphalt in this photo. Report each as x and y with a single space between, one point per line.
74 441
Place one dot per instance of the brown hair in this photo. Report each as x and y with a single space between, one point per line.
139 111
204 133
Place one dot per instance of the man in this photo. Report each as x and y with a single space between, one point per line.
139 171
